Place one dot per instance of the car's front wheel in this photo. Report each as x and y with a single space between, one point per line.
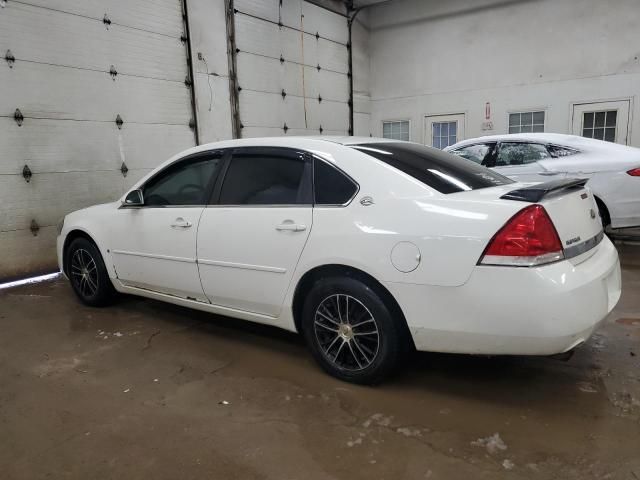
351 331
87 273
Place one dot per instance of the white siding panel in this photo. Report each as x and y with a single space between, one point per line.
64 93
161 16
77 42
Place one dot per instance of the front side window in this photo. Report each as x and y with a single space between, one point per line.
396 130
600 125
267 179
441 171
475 153
526 122
444 134
510 154
332 187
184 183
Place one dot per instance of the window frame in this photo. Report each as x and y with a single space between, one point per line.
317 158
448 136
214 198
520 112
400 120
175 164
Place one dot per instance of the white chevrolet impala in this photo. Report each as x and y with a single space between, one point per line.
367 247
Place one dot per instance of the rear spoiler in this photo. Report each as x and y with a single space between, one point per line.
537 192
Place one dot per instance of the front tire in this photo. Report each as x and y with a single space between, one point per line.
87 273
351 331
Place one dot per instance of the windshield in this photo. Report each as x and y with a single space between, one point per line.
442 171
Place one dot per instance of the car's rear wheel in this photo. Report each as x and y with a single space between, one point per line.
87 273
351 331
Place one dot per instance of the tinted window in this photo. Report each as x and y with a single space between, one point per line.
475 153
184 183
256 179
332 187
520 154
440 170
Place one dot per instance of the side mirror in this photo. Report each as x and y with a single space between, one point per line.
134 199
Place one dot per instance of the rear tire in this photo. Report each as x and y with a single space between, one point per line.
351 332
87 273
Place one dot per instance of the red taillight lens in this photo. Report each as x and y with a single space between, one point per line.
634 172
528 239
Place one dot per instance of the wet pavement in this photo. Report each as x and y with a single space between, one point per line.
149 390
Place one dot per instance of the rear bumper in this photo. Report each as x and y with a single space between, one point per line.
515 311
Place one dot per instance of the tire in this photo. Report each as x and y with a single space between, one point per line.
87 273
604 213
343 342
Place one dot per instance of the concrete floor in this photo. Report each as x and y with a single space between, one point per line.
148 390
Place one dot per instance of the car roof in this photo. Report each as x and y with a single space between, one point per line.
572 141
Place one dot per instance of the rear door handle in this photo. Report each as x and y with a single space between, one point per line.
548 174
181 223
292 227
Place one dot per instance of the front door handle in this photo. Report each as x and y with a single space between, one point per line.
290 226
181 223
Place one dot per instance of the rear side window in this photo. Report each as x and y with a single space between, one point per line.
476 153
332 187
557 151
266 179
440 170
520 154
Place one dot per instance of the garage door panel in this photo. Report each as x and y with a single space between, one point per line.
288 13
330 56
328 85
86 95
264 110
161 16
87 145
49 197
328 24
331 115
273 76
132 52
25 254
259 37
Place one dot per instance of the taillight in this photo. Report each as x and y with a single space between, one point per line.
634 172
527 239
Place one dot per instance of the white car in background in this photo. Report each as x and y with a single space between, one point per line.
367 247
613 170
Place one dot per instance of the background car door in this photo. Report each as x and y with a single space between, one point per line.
521 162
250 240
154 246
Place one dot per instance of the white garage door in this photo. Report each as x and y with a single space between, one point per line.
292 62
60 111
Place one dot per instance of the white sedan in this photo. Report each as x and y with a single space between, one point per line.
367 247
613 170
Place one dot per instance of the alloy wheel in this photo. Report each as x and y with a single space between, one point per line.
84 272
347 332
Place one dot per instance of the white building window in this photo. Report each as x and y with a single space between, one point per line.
600 125
525 122
396 130
444 134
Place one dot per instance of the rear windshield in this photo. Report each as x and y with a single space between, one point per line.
442 171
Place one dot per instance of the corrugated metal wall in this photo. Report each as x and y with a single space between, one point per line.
71 69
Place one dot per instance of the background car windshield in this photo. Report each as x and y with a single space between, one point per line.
442 171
